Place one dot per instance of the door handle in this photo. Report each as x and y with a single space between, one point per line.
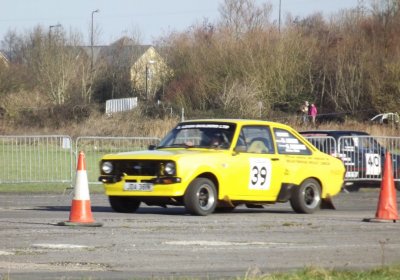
274 159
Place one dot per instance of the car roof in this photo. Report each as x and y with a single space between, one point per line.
240 122
333 133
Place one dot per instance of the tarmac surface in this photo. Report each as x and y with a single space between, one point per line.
162 243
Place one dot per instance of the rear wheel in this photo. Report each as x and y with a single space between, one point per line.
307 197
201 197
124 204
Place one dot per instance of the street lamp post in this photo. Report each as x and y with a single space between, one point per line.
280 6
91 40
147 77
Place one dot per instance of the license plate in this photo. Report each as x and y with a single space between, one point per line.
144 187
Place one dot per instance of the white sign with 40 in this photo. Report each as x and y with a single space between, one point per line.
373 164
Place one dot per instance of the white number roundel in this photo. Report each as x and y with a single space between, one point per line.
373 164
260 174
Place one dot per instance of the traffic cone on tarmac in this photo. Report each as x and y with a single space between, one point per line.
81 213
387 204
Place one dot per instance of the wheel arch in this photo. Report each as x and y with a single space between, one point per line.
212 177
319 182
307 197
288 188
315 178
201 197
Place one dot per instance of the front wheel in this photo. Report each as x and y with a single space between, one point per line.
307 197
124 204
201 197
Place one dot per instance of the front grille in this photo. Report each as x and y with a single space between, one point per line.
136 167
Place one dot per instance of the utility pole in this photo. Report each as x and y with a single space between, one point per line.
279 20
91 40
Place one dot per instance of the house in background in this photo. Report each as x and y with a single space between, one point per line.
141 65
3 60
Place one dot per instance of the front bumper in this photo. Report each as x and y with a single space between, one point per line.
112 179
162 186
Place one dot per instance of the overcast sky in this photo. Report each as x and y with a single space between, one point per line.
152 18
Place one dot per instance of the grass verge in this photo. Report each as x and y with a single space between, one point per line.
312 273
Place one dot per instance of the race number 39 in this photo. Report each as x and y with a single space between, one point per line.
260 174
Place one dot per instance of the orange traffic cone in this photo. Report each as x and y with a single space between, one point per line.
387 204
81 213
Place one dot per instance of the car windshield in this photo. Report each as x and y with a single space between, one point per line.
200 135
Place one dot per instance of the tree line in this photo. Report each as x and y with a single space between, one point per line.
244 65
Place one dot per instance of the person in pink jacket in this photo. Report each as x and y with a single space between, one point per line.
313 112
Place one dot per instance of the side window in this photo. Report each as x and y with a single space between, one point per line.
288 144
255 139
368 144
346 144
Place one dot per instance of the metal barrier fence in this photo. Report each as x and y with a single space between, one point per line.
51 158
36 159
96 147
363 156
326 144
120 105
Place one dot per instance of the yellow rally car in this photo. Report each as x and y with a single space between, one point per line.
215 165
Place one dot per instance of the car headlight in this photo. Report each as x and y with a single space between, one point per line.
107 167
170 168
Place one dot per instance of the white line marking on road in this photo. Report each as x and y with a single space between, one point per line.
5 253
60 246
221 243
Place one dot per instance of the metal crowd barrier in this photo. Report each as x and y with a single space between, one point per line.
363 156
36 159
95 147
326 144
52 159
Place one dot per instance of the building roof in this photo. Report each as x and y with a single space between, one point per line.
125 49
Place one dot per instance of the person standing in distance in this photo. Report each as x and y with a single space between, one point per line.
313 113
304 110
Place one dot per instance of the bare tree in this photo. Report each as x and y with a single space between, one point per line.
53 61
10 45
242 16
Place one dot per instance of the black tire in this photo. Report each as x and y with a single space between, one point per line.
306 198
200 198
124 204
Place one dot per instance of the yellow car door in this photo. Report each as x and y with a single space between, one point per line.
256 169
